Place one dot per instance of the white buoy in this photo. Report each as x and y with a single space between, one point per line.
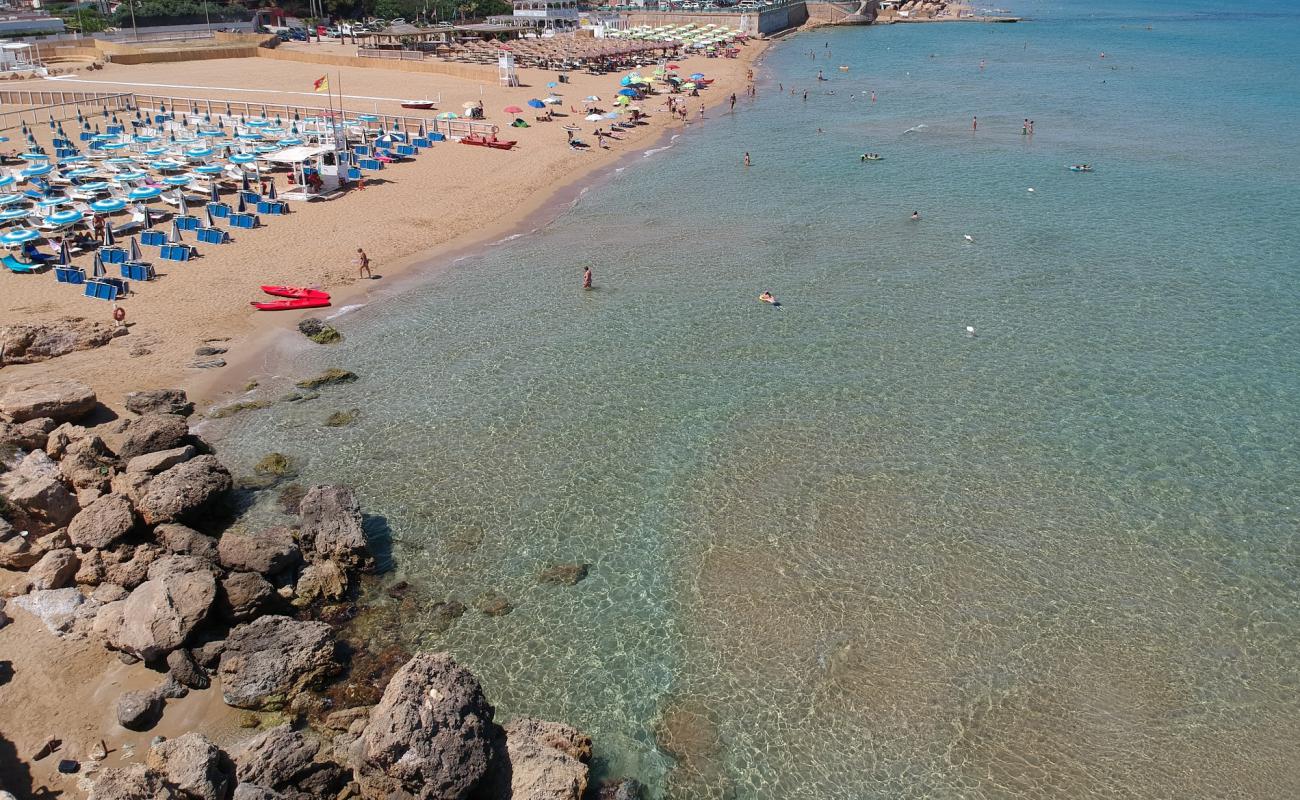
970 330
969 238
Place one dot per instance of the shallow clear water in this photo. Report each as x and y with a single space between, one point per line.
840 548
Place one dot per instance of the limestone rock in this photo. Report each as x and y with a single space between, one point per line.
153 463
186 541
193 765
4 619
56 608
324 580
548 760
61 437
164 401
29 435
170 563
92 570
251 791
186 671
331 526
139 710
102 523
61 401
245 595
129 566
32 342
160 614
109 593
41 504
136 782
563 574
55 570
154 432
17 551
87 464
269 552
184 490
269 660
430 736
275 758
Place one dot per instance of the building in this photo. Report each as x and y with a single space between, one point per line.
547 13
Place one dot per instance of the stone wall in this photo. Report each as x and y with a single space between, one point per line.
766 22
479 72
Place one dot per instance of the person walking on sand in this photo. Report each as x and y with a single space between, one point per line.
363 264
733 101
586 278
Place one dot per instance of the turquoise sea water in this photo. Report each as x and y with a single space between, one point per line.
840 549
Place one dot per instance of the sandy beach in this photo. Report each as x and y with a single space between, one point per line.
451 198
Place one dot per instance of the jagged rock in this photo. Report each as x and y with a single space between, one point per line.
444 615
92 570
548 760
87 464
186 541
346 718
139 710
172 563
41 504
154 432
61 401
182 666
184 490
160 614
323 779
132 485
245 595
430 736
275 758
249 791
102 523
136 782
129 566
153 463
324 579
269 552
4 618
331 526
164 401
209 653
192 764
563 574
172 688
56 608
109 593
29 435
269 660
326 378
31 342
17 551
61 437
55 570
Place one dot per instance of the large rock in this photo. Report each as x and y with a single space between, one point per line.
102 523
62 437
139 710
55 570
548 760
160 614
56 608
184 490
186 671
251 791
87 464
323 580
268 552
41 504
193 765
162 460
136 782
269 660
275 758
128 567
29 435
154 432
245 595
31 342
331 526
61 401
430 736
165 401
186 541
17 551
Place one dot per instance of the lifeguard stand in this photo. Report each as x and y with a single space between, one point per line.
506 69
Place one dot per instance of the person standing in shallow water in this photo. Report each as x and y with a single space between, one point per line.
586 278
747 159
974 123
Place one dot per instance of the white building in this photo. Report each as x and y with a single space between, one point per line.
547 13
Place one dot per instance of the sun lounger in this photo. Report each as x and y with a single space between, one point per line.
273 207
177 252
106 288
188 223
112 255
13 264
220 210
138 271
244 221
72 275
153 238
213 236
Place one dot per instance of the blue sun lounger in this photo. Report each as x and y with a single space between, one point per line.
112 255
138 271
12 264
73 275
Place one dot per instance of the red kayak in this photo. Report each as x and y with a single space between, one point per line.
292 304
294 291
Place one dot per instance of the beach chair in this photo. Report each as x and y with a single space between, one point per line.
220 210
72 275
101 289
421 141
405 150
251 198
112 255
213 236
273 207
153 238
177 252
188 223
138 271
372 164
437 137
353 174
244 221
361 150
14 264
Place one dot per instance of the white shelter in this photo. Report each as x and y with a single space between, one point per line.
302 161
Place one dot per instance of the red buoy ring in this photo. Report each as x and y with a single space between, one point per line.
119 314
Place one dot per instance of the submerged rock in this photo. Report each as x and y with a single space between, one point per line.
342 419
277 464
493 604
327 378
563 574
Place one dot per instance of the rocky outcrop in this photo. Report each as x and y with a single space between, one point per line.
32 342
102 523
548 760
193 766
183 491
331 526
61 401
154 432
136 782
41 504
430 736
324 580
164 401
275 758
269 660
269 552
186 541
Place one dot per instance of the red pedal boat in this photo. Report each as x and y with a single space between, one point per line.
294 291
483 141
292 304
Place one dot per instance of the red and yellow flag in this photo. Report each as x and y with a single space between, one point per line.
322 84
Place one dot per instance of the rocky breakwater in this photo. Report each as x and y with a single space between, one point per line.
124 533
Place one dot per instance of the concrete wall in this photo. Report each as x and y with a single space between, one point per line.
754 23
479 72
222 45
828 12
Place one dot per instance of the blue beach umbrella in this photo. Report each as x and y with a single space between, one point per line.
119 160
697 76
7 180
629 92
34 157
113 146
94 186
208 169
243 158
80 172
52 202
144 193
177 180
154 152
535 103
108 205
551 85
61 218
37 170
19 236
11 214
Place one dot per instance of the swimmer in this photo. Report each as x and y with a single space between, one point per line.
969 238
916 215
769 298
586 278
747 162
970 331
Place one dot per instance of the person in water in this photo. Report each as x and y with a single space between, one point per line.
747 162
586 278
916 215
768 297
